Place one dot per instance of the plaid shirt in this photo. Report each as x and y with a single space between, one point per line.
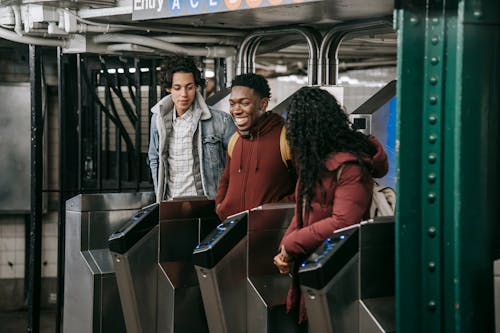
180 157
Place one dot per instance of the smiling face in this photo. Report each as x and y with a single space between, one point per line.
246 106
183 91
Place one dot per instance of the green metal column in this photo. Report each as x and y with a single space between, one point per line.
448 160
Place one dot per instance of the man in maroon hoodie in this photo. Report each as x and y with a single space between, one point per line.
255 172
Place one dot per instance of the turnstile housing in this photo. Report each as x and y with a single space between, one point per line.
91 299
348 282
220 263
242 289
134 248
183 224
266 287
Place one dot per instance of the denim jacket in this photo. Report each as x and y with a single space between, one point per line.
213 131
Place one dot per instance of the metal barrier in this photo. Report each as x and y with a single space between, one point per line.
348 282
221 265
183 224
266 288
242 290
91 299
135 257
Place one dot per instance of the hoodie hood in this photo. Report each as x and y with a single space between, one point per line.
379 162
263 125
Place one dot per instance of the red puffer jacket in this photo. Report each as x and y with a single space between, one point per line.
337 206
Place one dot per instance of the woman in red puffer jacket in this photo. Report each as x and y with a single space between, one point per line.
321 141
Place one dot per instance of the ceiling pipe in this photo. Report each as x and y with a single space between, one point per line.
164 28
17 19
127 47
190 39
14 37
248 47
209 51
328 67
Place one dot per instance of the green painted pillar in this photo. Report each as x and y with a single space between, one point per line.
448 160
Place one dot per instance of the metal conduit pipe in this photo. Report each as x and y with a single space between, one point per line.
165 28
328 71
247 50
331 72
211 51
134 48
312 39
252 52
17 19
186 39
83 28
127 47
14 37
230 70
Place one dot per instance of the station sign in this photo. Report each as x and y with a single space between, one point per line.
155 9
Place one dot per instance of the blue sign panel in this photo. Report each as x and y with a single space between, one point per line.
154 9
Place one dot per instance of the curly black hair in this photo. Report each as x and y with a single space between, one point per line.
255 81
180 64
317 127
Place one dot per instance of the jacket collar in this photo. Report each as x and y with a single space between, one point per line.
167 105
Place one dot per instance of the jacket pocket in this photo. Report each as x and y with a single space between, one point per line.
212 145
213 159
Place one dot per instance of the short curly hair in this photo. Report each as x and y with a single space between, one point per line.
255 81
181 65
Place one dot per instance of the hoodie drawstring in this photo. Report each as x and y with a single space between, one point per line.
241 155
257 151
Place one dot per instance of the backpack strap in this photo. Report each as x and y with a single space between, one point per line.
232 143
339 172
286 155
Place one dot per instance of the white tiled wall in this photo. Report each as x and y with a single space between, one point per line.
49 246
12 246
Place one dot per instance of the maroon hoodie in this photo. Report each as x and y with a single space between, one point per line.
344 203
255 174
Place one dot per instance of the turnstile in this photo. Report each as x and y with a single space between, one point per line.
134 248
220 262
266 288
91 299
183 224
348 282
242 289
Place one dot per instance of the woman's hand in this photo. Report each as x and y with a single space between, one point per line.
282 261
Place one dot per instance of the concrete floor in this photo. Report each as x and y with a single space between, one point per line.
17 321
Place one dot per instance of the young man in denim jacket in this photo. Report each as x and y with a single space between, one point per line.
188 140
